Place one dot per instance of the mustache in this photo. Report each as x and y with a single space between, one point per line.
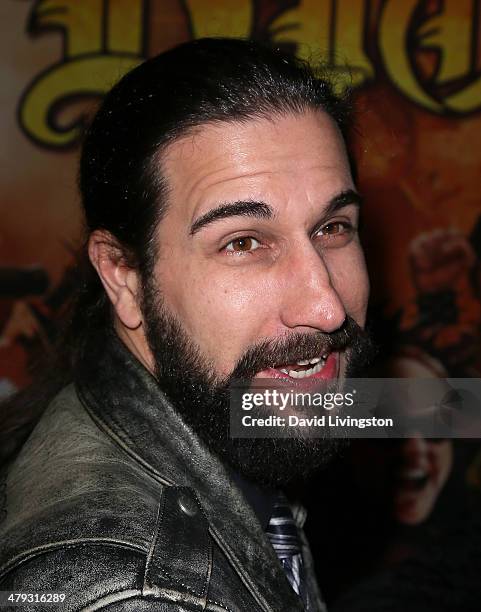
296 346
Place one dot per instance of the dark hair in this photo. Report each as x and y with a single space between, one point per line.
199 82
123 192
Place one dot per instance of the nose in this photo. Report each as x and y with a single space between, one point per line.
309 298
415 449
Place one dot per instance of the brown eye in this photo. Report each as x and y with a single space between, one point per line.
244 244
335 234
331 229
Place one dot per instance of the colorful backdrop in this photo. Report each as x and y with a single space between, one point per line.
415 69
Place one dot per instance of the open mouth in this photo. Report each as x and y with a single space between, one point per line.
413 479
321 367
304 367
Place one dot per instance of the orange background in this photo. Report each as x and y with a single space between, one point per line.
419 166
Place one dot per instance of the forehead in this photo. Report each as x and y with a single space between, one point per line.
280 155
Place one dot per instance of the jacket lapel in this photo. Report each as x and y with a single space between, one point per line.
118 390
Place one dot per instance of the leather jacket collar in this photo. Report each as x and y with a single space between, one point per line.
128 404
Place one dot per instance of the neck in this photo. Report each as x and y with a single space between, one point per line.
136 342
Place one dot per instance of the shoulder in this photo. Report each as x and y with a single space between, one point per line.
83 518
90 577
71 482
80 574
94 577
93 574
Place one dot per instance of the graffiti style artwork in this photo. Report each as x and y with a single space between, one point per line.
415 68
426 50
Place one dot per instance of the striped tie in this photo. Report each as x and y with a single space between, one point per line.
284 536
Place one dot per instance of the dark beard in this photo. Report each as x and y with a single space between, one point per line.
203 400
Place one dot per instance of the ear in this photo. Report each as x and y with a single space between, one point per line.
120 281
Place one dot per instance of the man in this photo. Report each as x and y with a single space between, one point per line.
223 245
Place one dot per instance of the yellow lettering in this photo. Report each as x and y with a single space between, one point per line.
306 25
309 26
95 62
393 35
451 32
124 33
466 100
349 43
62 84
220 18
80 21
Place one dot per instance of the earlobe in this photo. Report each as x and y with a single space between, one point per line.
120 281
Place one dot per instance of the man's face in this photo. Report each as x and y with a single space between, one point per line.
260 238
237 296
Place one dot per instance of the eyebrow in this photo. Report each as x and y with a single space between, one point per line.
261 210
249 208
345 198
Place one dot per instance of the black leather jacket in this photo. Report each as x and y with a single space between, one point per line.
114 502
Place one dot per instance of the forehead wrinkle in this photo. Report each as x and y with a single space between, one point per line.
211 146
198 146
208 181
196 193
234 169
223 181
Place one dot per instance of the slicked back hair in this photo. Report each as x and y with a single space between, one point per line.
199 82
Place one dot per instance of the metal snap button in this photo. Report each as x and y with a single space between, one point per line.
187 505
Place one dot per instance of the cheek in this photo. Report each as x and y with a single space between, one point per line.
225 314
441 458
348 273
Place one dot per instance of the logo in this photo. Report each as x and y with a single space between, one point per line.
427 50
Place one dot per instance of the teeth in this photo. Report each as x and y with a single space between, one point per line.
304 373
317 363
304 362
413 474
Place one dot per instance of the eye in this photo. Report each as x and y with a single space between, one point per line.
335 228
335 233
243 244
